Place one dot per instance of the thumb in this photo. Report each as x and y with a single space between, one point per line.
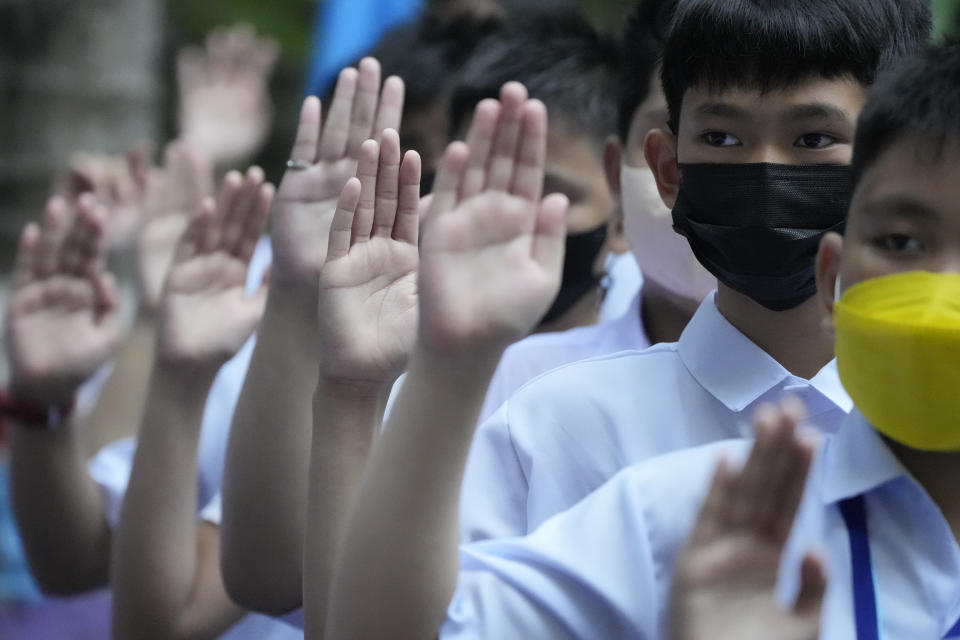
813 585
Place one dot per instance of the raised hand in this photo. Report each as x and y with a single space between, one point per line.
225 106
63 320
205 316
492 251
368 285
115 182
323 159
173 192
724 580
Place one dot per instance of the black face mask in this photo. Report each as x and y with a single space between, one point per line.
757 227
579 277
426 183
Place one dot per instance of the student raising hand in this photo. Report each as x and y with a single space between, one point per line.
62 324
62 317
724 580
166 579
368 324
490 265
267 462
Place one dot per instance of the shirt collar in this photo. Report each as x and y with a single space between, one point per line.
857 460
630 325
827 382
724 361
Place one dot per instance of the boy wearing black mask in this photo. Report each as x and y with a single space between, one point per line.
756 87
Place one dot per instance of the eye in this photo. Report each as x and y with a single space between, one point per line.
898 243
815 141
720 139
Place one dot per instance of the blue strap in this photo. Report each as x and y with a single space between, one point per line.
954 631
864 597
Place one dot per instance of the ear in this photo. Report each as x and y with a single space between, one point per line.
612 154
660 149
828 272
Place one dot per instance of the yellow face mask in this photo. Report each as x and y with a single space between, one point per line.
898 354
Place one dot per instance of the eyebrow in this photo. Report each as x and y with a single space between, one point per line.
553 183
722 110
900 206
816 110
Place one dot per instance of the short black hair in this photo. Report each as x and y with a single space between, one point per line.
560 58
771 44
427 53
642 40
921 99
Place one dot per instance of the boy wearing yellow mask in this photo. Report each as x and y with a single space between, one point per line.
881 502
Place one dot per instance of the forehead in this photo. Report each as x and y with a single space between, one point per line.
911 175
842 97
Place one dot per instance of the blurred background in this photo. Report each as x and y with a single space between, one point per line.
97 75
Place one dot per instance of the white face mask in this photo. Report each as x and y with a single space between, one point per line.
663 254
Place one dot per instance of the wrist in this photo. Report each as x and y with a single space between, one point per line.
33 415
187 383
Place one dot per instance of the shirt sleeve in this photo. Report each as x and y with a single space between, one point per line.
493 500
110 469
572 578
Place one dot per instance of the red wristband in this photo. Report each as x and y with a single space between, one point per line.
34 416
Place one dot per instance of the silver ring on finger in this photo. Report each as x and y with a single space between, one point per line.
299 165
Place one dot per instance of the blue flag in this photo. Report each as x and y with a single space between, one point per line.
347 29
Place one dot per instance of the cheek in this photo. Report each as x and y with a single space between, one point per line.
863 262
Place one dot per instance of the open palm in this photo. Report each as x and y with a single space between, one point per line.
492 250
724 580
205 316
62 317
307 197
368 286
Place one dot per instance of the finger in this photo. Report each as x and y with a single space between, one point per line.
549 241
528 172
753 478
105 292
480 141
23 270
93 241
406 228
208 232
446 187
51 235
192 238
813 586
387 185
341 228
336 130
390 111
504 151
234 226
256 222
793 467
364 105
230 191
73 249
715 506
367 173
308 132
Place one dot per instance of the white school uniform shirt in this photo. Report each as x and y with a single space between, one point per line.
566 433
111 467
534 355
625 280
603 569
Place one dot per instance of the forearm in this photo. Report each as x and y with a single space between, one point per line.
411 490
268 457
59 511
119 407
346 422
156 573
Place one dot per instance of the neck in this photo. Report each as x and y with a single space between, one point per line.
584 313
664 314
938 474
794 338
